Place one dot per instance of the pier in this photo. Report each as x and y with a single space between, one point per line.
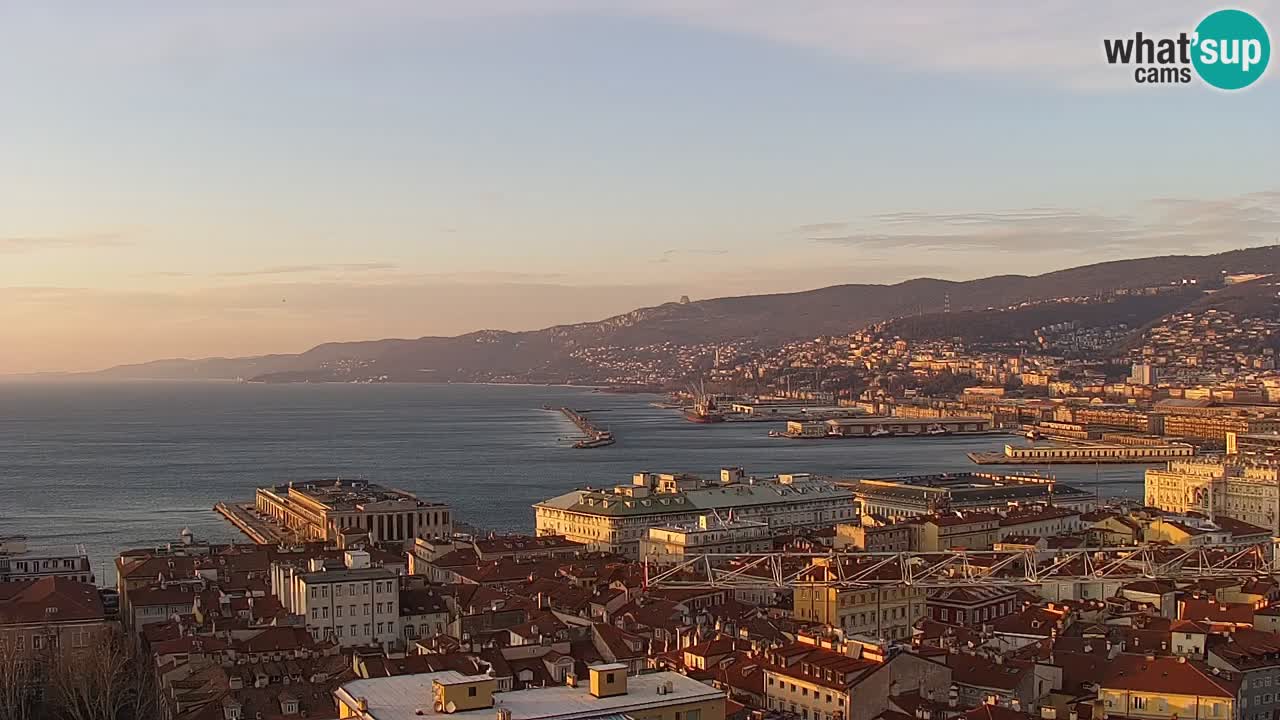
595 437
255 528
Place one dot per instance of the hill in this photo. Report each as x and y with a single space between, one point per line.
548 355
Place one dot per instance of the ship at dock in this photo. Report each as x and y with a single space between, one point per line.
704 408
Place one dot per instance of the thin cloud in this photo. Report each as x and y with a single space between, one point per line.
33 243
1164 223
309 269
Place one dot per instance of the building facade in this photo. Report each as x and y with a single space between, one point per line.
356 605
606 692
617 520
712 535
1246 492
20 561
882 612
322 510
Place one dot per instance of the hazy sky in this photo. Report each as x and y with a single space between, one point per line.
261 176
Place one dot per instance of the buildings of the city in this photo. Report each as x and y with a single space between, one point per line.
804 680
354 604
710 535
323 510
616 520
880 612
906 497
19 560
1217 487
46 614
606 692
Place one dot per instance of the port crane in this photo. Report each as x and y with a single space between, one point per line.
991 568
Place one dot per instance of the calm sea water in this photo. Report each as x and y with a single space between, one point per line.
130 464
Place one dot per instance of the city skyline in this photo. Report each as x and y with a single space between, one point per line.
185 183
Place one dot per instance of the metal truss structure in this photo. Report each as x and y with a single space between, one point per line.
992 568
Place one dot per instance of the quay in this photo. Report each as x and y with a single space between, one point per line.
595 437
258 530
882 426
1083 453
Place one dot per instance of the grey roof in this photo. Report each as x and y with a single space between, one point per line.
738 495
327 576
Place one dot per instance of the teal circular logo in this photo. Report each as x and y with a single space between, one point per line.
1231 49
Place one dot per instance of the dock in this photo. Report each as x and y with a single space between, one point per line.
595 437
1085 454
256 529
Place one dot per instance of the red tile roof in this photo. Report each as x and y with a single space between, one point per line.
48 600
1167 674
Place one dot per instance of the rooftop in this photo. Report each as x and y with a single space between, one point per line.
699 500
407 697
344 495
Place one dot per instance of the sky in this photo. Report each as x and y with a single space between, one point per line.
235 178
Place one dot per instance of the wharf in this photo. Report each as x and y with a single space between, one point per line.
595 437
256 529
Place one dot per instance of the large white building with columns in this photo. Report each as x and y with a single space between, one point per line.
321 510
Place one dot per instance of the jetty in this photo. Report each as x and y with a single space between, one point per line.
255 528
595 437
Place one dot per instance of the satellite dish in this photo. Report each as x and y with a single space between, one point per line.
450 708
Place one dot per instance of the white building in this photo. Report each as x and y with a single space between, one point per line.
1241 491
356 605
20 561
712 534
616 520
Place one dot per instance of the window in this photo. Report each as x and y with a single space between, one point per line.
608 679
471 691
1139 703
338 611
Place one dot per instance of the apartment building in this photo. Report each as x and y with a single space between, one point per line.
322 510
19 560
52 612
617 520
883 612
355 605
606 692
844 682
894 537
970 531
1163 687
671 545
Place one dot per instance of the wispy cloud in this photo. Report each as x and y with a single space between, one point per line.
675 253
278 270
1164 223
35 243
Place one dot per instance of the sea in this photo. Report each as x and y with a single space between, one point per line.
130 464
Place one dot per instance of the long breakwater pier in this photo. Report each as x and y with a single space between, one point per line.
595 437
